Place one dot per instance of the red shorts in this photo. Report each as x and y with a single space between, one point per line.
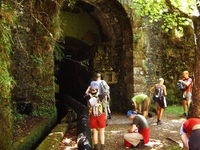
127 144
98 121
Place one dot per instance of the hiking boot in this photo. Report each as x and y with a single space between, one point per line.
140 144
184 115
102 147
159 122
95 147
106 122
109 116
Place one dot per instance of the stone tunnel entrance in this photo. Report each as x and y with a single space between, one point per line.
97 37
75 71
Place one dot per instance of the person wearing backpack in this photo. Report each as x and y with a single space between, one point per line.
104 91
97 118
159 96
187 81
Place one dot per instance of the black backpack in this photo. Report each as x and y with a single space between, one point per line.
159 96
158 93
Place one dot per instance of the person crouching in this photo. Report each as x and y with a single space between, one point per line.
139 131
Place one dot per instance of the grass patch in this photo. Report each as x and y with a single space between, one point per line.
176 148
174 109
171 109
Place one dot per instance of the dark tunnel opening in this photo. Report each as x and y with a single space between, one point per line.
74 73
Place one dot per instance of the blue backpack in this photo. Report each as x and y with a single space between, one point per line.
182 86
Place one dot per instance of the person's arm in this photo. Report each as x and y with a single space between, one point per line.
187 83
184 139
135 106
152 89
165 91
133 129
88 90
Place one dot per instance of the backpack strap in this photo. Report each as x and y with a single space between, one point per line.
97 109
102 85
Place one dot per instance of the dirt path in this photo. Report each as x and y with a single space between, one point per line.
162 137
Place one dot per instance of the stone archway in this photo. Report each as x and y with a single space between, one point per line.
112 51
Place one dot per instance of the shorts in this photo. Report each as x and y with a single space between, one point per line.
194 143
187 96
161 103
145 104
98 121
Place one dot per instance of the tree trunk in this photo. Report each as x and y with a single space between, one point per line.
195 109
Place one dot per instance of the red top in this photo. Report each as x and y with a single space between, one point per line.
189 124
188 80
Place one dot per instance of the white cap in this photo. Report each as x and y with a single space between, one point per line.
161 79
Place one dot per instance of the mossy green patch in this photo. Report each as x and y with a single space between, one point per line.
38 131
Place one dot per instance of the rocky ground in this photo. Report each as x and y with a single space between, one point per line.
165 136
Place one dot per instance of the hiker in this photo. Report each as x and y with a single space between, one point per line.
159 96
104 90
141 104
139 132
97 116
190 134
187 92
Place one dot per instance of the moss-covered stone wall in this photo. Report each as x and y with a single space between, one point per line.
33 59
79 25
6 79
136 52
34 34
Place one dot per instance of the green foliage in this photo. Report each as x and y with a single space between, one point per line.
44 101
71 3
172 13
43 110
18 116
59 55
135 37
187 6
36 133
37 59
176 148
6 40
6 81
172 96
174 109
